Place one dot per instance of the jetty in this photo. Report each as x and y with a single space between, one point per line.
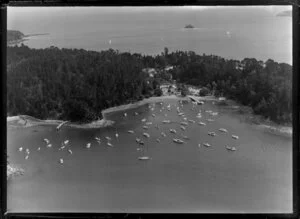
195 100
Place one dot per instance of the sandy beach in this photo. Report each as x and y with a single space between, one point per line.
29 121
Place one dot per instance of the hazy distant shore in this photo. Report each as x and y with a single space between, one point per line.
23 39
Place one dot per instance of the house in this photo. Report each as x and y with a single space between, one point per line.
193 91
150 71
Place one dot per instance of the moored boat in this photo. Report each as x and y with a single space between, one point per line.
179 141
235 136
206 144
144 158
146 135
173 131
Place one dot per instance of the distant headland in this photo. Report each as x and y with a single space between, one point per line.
16 37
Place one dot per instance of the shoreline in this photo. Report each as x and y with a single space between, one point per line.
13 171
139 103
23 121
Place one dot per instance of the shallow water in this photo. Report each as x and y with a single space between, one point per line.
178 177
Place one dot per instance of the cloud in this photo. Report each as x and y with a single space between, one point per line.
285 13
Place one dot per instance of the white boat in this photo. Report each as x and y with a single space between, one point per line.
26 157
20 149
88 145
212 133
148 123
143 120
178 141
146 135
166 121
97 139
182 127
223 130
136 113
153 115
157 140
163 134
109 144
66 142
201 123
39 149
130 131
230 148
191 121
117 135
61 161
27 151
173 131
108 138
180 114
144 158
185 119
138 140
125 114
208 111
214 113
206 144
46 140
210 120
99 142
184 123
235 136
145 127
70 151
61 148
49 145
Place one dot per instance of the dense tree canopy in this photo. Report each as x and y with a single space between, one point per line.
76 84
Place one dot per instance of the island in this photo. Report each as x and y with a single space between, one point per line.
189 26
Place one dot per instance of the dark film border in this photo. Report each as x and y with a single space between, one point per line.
49 3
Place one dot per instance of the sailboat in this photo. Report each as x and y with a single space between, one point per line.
143 157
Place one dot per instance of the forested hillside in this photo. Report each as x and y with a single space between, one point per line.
76 84
264 86
72 84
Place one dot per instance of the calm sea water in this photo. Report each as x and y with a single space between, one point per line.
178 178
230 32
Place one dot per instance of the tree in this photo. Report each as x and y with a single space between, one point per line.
204 91
158 92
